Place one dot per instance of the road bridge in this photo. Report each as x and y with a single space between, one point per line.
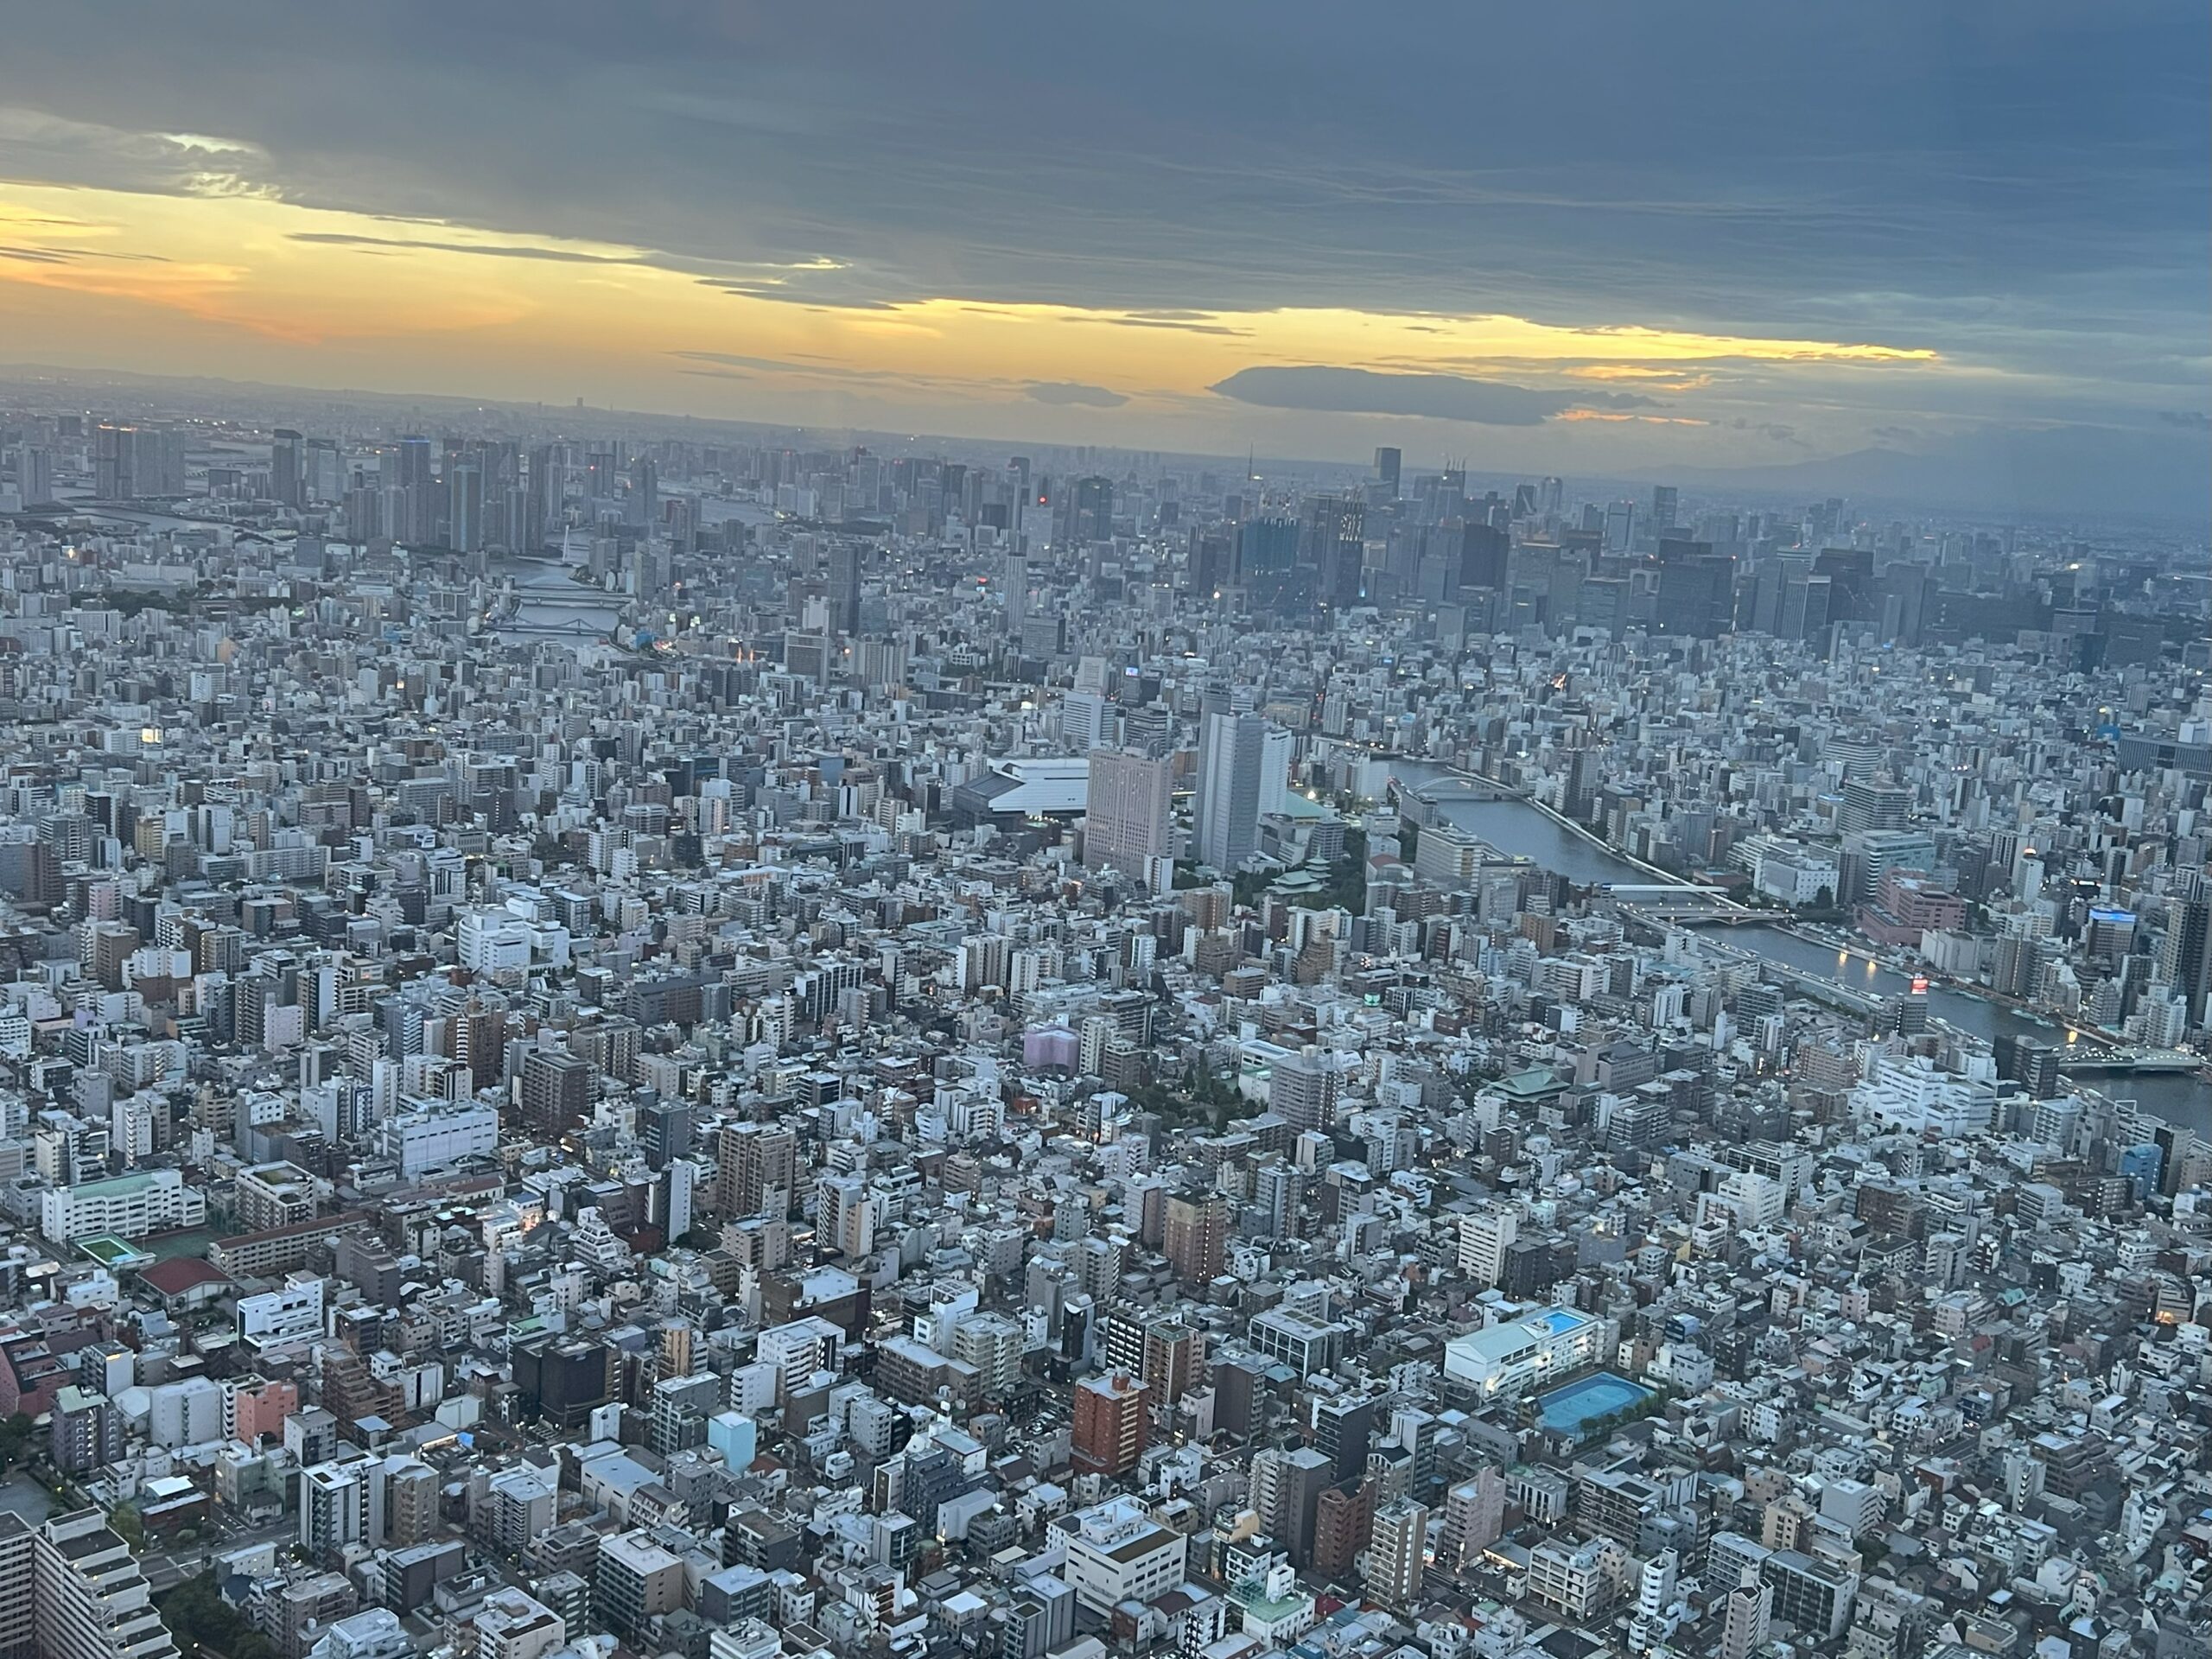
1679 901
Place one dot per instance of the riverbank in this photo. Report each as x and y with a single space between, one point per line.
2075 1030
1509 821
1505 791
1598 841
1782 923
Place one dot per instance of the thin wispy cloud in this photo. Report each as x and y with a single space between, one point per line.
1428 397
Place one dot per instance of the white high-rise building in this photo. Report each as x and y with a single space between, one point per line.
1744 1620
846 1222
92 1600
189 1412
1485 1237
1233 788
1086 722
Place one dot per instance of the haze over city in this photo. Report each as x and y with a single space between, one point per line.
1968 241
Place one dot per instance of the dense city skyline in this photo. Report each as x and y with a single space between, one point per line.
1718 243
1244 831
630 1033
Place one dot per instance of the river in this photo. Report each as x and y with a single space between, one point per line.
1516 828
548 602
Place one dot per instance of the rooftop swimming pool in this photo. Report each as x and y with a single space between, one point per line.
1568 1409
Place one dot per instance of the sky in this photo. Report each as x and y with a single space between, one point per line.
1636 239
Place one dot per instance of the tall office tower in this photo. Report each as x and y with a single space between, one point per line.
1302 1089
505 512
288 468
1396 1548
1092 519
1483 552
1197 1236
92 1602
408 465
1697 592
1851 572
1211 562
1872 806
1581 793
1086 716
161 464
1233 788
1451 491
1336 547
1663 508
323 477
2185 953
1620 526
547 487
845 588
641 506
34 475
1861 756
1387 464
131 460
1807 606
465 507
556 1090
1551 496
1014 587
1110 1420
1126 811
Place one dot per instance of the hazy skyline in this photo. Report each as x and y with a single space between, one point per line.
1624 241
